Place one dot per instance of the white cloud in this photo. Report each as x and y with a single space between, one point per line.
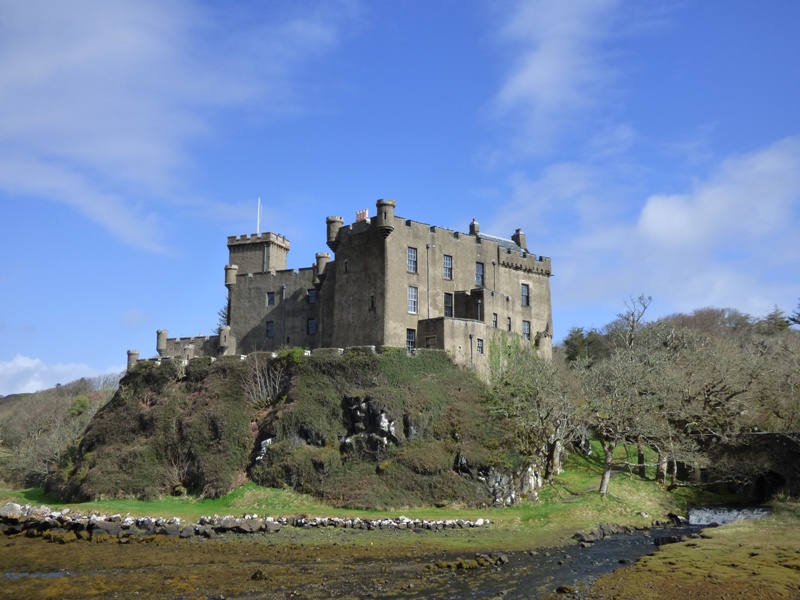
728 240
99 102
749 198
560 69
23 374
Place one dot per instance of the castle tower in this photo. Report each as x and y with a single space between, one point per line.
133 358
334 224
385 217
323 258
161 341
258 253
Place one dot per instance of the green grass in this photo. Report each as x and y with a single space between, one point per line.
571 503
572 498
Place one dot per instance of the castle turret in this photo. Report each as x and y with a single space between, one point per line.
227 343
161 341
334 225
385 217
133 358
323 258
474 227
231 271
519 239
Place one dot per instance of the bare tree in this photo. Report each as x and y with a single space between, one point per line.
625 393
265 381
531 393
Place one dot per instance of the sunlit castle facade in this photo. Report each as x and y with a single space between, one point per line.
391 282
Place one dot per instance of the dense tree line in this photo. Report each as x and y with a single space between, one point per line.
38 429
674 386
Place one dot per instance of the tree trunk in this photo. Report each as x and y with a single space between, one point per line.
608 449
642 467
552 465
661 469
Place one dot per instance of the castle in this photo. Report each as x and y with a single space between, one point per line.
393 282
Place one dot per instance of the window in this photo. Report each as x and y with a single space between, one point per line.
270 329
270 298
448 266
430 342
508 323
526 330
480 346
412 299
448 305
411 340
479 274
526 294
494 319
312 296
372 301
412 260
312 327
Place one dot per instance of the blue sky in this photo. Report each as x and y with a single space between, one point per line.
647 147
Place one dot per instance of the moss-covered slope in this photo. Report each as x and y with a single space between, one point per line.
361 429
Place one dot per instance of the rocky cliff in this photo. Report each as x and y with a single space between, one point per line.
358 429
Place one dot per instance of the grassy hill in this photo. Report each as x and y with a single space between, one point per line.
355 430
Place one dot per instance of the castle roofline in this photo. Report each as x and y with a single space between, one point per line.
502 242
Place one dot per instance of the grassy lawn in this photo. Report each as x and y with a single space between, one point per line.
569 504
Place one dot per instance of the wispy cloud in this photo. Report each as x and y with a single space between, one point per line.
560 71
100 102
729 240
747 199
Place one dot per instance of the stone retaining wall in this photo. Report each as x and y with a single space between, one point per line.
62 525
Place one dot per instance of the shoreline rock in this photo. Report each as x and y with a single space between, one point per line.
63 525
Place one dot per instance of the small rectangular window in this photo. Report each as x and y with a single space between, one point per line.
312 327
494 319
448 266
312 296
372 301
270 298
448 305
480 346
412 260
412 299
270 329
430 342
411 340
479 274
508 323
526 330
526 294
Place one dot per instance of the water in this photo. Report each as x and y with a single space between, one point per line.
719 515
538 573
51 575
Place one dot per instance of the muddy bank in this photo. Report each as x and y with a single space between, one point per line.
305 563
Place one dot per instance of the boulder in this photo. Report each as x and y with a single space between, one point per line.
187 532
12 513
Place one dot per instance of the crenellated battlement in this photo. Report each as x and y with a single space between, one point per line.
258 252
525 261
259 238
